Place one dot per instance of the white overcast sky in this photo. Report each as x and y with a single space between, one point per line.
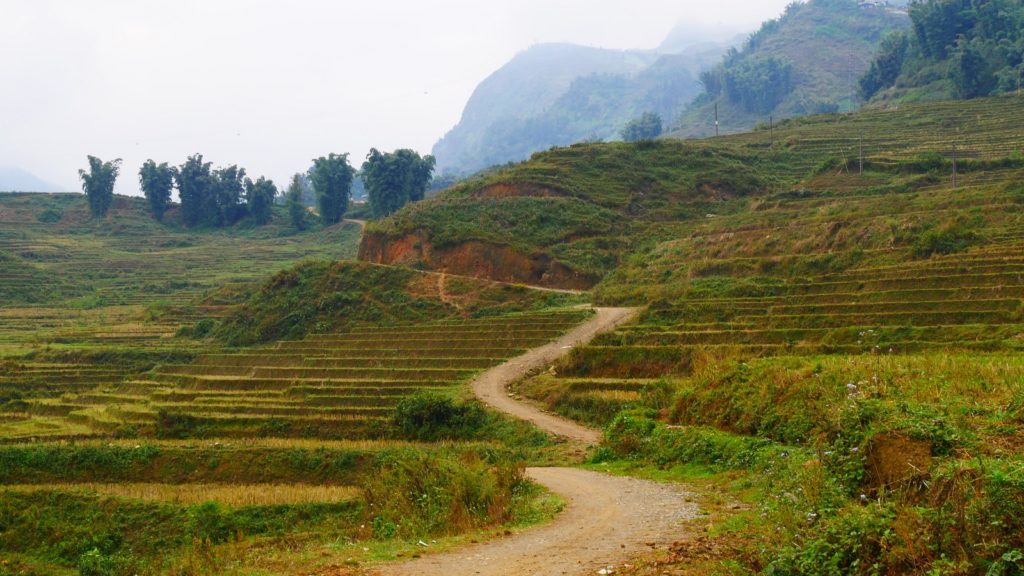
270 84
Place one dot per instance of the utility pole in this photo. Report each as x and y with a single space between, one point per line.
860 151
716 118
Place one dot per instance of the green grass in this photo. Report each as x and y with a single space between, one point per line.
832 336
57 528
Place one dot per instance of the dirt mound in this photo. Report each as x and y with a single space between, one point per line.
895 460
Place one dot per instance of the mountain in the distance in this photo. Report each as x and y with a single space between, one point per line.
17 180
558 94
807 61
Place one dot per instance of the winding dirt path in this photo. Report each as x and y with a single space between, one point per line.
606 520
492 386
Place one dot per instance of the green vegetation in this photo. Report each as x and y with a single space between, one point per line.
581 206
331 177
157 183
98 184
187 456
210 198
807 61
406 493
839 348
324 297
393 179
646 127
956 49
297 213
259 197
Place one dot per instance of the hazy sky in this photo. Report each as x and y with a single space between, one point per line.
269 84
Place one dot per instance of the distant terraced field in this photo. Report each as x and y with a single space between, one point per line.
343 385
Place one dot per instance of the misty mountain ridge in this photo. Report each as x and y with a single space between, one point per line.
808 61
13 179
558 94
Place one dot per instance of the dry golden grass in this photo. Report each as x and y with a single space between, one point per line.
258 443
232 495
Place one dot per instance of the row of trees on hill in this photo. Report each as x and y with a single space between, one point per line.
223 196
757 85
977 46
209 197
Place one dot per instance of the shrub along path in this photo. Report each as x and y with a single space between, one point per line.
606 519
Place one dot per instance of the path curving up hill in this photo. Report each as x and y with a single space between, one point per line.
491 386
607 519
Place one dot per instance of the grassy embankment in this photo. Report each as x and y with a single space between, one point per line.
125 347
841 350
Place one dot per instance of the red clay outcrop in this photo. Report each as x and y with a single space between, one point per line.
473 258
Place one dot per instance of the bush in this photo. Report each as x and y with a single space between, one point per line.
429 416
50 216
96 563
208 523
411 493
947 241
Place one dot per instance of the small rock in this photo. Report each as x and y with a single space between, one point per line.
422 543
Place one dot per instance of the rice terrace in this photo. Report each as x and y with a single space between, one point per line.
749 302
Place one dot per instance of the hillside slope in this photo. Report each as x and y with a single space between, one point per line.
570 216
840 354
53 251
558 94
565 218
806 62
954 50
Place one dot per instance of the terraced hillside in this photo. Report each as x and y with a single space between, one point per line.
135 439
570 216
977 129
51 250
344 385
377 335
850 345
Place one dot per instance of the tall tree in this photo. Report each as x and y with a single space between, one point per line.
260 199
396 178
293 199
98 184
646 127
194 188
332 180
157 181
225 205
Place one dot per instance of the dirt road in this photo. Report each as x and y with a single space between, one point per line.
492 386
606 520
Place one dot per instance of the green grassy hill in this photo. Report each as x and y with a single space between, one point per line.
135 439
52 250
571 215
837 350
808 61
